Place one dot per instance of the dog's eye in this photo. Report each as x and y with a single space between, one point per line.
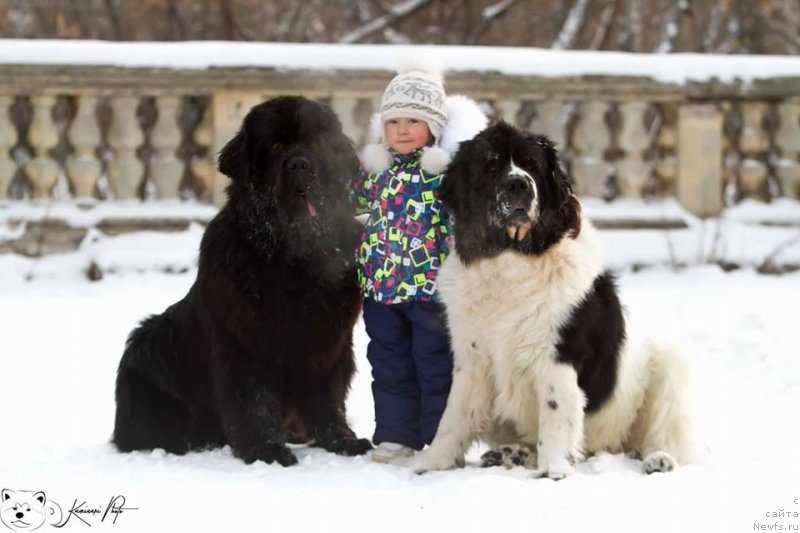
277 147
491 163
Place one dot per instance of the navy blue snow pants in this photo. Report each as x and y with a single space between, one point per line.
412 369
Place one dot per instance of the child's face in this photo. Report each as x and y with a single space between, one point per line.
405 135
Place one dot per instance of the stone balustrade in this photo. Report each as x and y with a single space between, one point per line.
100 133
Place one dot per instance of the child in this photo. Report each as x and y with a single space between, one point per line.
405 242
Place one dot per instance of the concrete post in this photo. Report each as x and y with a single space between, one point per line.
700 159
788 140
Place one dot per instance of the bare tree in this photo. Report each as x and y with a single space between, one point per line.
720 26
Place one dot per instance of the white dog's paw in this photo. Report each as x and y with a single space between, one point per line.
429 462
659 462
556 469
555 474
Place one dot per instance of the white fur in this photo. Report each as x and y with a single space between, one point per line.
504 315
464 120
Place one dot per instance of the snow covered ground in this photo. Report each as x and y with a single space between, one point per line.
61 337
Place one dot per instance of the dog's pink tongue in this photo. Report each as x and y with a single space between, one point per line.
311 209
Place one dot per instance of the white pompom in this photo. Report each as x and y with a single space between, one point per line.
427 63
434 160
376 158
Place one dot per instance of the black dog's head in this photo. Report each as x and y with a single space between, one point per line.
505 190
289 167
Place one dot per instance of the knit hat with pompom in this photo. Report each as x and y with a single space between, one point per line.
416 92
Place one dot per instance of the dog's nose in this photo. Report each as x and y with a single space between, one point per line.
20 516
516 185
299 166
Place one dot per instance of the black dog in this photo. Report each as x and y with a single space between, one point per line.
259 352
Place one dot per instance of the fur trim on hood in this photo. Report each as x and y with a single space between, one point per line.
464 120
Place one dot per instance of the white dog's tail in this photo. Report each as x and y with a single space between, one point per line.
665 422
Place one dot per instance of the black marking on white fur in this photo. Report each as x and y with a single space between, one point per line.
591 340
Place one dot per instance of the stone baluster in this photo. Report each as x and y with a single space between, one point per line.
228 110
125 170
754 145
508 110
632 170
203 165
592 139
788 140
166 169
551 118
345 109
42 170
666 141
83 166
8 138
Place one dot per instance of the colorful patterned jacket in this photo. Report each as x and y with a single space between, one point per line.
406 237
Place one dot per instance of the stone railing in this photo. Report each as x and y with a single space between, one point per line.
92 134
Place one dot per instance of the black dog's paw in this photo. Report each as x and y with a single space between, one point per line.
492 458
507 456
270 453
349 447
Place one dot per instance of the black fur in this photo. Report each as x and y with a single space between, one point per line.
473 192
591 341
259 352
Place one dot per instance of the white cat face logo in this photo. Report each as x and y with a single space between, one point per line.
25 510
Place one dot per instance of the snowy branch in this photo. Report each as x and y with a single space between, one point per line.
672 28
786 34
396 13
603 26
715 19
768 265
495 10
573 23
489 15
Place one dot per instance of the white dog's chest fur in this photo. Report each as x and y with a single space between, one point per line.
514 306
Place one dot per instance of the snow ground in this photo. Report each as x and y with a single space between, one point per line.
62 336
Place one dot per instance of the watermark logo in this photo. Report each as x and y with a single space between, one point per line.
26 510
782 519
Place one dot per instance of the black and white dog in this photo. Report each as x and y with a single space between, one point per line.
545 371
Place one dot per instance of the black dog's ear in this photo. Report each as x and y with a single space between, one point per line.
572 215
232 159
565 201
563 188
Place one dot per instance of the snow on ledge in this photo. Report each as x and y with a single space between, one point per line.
636 209
80 217
780 211
668 68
